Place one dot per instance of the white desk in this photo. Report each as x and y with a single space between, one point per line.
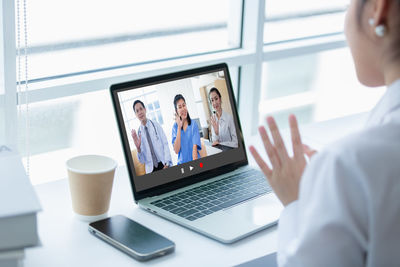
67 242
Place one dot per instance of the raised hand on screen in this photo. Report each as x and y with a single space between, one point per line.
178 121
214 123
136 139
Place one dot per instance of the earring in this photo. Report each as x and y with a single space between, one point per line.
380 30
371 22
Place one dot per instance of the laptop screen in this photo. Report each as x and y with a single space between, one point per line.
178 127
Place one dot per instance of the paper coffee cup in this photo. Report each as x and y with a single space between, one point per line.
90 180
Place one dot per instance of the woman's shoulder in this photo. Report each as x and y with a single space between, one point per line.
369 156
370 141
357 170
193 125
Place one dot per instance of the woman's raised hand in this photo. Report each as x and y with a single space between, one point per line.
214 124
285 173
309 151
178 121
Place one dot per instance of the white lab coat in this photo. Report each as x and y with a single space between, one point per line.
160 145
348 211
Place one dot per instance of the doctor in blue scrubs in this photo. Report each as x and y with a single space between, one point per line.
185 133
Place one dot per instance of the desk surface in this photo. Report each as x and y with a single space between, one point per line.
67 242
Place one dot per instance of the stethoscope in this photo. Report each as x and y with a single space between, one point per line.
155 130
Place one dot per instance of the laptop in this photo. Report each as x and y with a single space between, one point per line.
213 190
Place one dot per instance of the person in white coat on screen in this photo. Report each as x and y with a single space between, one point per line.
223 128
150 141
343 208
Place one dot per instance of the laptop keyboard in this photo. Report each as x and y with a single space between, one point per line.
206 199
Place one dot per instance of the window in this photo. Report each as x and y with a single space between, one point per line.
74 36
77 49
325 87
288 20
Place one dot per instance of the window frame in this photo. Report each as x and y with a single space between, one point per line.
248 58
7 71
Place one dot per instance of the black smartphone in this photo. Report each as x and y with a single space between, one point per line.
131 237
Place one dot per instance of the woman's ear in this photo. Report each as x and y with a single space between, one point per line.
380 11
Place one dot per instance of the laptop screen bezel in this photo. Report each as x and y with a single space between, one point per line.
165 188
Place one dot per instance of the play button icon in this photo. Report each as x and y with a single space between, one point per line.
191 168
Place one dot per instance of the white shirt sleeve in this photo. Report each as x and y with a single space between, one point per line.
327 226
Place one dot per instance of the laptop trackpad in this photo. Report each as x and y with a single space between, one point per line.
258 211
245 218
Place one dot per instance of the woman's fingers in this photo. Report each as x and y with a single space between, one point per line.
296 139
278 142
309 151
263 166
269 148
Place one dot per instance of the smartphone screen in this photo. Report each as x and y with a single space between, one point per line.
131 237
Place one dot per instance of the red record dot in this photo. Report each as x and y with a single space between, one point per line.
201 165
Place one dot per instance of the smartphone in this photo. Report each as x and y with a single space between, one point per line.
131 237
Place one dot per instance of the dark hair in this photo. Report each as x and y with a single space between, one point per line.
137 102
214 90
176 99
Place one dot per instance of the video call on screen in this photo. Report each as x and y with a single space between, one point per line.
172 126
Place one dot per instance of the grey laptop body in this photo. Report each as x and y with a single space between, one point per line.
218 194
